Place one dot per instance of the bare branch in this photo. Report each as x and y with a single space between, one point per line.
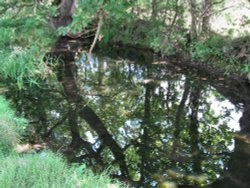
97 33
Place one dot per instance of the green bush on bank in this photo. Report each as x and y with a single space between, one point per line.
224 53
210 49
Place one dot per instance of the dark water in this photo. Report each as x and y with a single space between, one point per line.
151 123
174 128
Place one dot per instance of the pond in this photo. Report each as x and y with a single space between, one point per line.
152 123
171 126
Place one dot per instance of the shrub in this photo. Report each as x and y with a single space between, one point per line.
212 47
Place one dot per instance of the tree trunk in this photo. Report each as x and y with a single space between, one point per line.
207 8
145 138
178 116
238 170
66 10
154 9
193 29
176 14
194 125
96 124
79 108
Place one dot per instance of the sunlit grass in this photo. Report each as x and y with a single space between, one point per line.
48 170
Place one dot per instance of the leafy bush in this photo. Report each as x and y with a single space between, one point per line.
217 51
212 47
47 170
10 127
170 44
231 55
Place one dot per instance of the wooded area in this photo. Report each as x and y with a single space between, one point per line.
126 85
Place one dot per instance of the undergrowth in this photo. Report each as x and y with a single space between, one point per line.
48 170
223 53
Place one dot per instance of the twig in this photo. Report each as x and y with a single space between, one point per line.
97 33
221 10
82 34
35 7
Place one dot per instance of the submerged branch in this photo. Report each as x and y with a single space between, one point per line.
96 124
56 125
79 108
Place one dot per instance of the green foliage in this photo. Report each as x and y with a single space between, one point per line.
137 26
87 15
232 55
10 127
18 67
217 51
245 69
25 38
209 48
46 170
172 43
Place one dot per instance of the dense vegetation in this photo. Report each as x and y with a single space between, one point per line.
168 27
65 108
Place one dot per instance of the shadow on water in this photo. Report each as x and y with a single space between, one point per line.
152 123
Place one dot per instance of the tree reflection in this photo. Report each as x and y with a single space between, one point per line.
150 123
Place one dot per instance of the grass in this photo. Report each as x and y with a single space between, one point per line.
48 170
10 127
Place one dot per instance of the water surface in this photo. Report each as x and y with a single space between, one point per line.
152 123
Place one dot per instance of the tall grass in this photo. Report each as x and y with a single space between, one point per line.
10 127
22 66
47 170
